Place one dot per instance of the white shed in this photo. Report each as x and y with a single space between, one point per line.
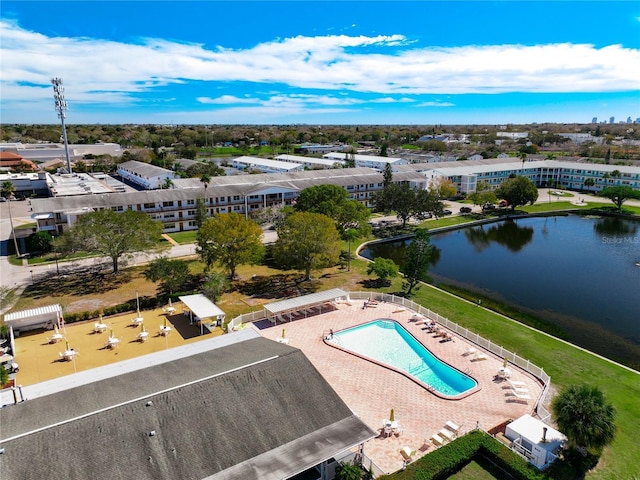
535 440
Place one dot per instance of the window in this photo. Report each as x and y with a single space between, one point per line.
167 204
170 225
191 202
118 209
191 213
149 205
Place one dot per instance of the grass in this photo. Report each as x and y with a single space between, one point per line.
565 364
474 471
184 237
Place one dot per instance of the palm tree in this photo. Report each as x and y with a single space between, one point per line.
585 417
350 235
7 189
167 184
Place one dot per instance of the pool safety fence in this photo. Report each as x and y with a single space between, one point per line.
465 333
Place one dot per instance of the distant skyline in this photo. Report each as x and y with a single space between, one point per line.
321 62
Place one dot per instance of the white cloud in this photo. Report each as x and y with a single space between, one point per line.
436 104
390 66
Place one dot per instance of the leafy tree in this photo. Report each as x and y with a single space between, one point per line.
426 204
443 188
383 268
324 199
333 201
167 184
230 240
350 159
215 283
40 242
205 179
4 375
7 189
403 201
116 235
619 194
583 414
419 253
307 241
387 175
201 212
517 191
482 195
172 273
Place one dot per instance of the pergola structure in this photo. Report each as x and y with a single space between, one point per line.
33 319
201 307
274 311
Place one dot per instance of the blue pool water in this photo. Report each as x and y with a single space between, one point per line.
387 342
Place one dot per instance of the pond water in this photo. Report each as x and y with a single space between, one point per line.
581 273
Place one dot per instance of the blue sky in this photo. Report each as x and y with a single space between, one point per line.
321 62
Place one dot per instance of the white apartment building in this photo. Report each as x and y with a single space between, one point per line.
145 175
310 162
265 165
367 161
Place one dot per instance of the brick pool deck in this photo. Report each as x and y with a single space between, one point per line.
371 391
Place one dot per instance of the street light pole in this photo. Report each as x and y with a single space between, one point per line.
13 230
61 106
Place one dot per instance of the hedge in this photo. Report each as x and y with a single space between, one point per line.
449 459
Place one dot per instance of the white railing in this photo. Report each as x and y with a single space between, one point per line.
472 337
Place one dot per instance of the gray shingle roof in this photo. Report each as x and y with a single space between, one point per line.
255 409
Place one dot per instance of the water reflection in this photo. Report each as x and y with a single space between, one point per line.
613 226
508 234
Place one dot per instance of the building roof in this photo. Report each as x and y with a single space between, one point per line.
250 409
295 303
267 163
532 429
34 316
201 306
144 170
309 160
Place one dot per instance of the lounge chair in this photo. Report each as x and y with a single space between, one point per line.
470 351
452 426
446 433
516 383
520 390
521 395
407 454
437 439
479 356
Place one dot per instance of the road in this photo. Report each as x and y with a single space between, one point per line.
18 277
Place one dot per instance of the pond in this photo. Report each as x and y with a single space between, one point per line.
580 273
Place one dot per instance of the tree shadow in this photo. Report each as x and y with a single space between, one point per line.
89 281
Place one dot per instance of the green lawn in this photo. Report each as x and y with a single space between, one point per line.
184 237
565 364
473 471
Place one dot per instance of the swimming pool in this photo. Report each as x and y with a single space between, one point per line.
387 342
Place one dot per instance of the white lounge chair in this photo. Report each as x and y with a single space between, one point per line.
479 356
470 351
447 434
437 439
407 454
453 427
521 395
516 383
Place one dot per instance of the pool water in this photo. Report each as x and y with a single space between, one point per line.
387 342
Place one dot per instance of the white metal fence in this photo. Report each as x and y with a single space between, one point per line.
472 337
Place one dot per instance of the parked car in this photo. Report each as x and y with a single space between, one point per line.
503 203
447 212
488 206
465 210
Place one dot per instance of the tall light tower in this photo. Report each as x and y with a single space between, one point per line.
61 107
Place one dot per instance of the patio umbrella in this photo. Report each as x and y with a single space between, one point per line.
55 328
505 362
165 322
283 333
67 344
392 416
170 304
142 329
